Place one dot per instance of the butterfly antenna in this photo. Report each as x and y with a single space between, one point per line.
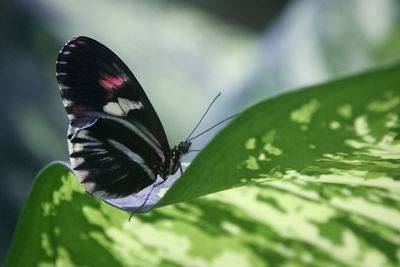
212 127
209 106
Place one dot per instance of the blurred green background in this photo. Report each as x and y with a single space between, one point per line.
183 53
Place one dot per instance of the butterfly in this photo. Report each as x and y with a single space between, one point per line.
117 144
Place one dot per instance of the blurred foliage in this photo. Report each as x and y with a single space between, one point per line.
242 13
312 42
321 167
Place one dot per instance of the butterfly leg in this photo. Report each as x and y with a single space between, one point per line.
180 168
145 201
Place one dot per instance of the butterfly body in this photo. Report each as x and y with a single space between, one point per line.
116 141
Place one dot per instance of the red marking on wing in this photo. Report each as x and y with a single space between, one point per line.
111 84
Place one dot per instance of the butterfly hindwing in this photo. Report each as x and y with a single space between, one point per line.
110 160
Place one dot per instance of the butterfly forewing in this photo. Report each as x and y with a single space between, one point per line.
91 76
116 141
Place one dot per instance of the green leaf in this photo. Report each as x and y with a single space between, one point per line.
346 132
53 225
321 169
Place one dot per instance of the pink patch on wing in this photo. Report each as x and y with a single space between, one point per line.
111 83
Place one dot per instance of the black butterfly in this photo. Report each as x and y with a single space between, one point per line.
116 141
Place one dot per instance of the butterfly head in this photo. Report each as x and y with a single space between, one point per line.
177 153
184 147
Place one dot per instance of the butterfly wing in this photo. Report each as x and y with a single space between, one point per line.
91 78
116 141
